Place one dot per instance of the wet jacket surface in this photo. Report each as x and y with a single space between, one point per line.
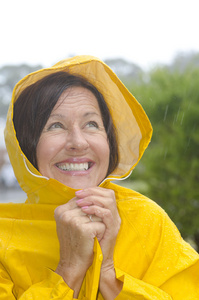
150 256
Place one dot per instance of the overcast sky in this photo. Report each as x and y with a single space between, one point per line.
145 32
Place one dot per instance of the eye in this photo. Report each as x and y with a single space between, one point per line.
55 125
92 124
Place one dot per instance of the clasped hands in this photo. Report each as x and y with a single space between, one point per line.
76 233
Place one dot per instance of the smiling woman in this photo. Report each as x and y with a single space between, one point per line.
73 147
71 130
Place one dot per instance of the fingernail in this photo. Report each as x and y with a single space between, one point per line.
85 207
78 192
79 200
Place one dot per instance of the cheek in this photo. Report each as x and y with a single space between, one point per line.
41 154
107 157
45 151
104 152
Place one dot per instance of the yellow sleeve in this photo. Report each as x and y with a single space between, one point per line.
137 289
6 285
172 268
184 285
52 287
175 265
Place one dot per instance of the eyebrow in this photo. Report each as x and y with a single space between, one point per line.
90 113
84 115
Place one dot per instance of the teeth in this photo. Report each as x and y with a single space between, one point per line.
74 167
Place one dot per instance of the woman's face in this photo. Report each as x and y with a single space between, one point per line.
73 147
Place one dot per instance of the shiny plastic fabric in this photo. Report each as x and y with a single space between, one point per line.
150 256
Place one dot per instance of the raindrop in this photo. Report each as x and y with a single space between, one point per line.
177 114
165 114
165 153
176 117
182 118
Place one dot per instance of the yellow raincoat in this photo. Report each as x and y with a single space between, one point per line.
150 256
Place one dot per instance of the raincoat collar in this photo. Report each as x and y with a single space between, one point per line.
133 128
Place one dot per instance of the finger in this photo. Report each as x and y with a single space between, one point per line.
70 205
104 214
94 191
66 216
89 200
96 196
96 229
93 218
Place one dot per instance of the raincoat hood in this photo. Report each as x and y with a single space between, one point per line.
133 128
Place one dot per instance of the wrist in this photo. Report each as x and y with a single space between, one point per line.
109 285
72 275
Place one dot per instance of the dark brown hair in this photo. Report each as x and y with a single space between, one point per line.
35 104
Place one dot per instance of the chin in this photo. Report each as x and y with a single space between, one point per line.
79 185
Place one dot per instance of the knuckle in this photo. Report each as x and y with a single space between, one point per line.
119 223
90 191
76 223
108 214
112 195
64 218
57 212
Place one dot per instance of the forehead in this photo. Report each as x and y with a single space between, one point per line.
77 98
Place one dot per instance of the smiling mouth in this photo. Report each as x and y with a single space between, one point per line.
74 167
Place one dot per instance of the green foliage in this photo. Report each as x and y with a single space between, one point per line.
171 164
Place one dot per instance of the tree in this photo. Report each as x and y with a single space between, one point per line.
9 76
170 166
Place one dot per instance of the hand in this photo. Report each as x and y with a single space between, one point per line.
101 202
76 235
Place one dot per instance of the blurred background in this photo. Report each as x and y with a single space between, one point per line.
153 47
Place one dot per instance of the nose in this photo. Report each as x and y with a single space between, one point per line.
76 140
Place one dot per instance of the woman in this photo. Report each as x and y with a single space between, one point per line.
78 235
